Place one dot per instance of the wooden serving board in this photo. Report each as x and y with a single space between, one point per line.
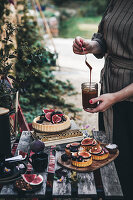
96 164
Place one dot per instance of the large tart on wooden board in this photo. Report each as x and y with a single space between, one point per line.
51 121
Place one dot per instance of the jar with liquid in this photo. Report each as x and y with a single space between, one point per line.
89 91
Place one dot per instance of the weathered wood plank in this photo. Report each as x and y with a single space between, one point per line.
109 176
24 142
64 188
110 180
86 184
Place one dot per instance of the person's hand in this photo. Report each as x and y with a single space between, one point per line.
105 102
82 46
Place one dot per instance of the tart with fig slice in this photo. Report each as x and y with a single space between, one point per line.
99 153
88 143
51 121
81 159
71 148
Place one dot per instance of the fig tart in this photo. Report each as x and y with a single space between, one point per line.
71 148
51 121
81 159
99 153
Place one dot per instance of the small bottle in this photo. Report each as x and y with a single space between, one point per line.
89 91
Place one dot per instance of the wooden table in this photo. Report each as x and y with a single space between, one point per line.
100 183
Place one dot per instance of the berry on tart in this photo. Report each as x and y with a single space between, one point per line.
87 143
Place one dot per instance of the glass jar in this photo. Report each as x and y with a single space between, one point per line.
89 91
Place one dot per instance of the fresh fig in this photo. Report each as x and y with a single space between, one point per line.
48 116
87 141
37 181
37 146
28 178
84 154
56 119
48 110
64 157
32 179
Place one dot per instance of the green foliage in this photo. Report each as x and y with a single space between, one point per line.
71 27
7 93
39 88
99 6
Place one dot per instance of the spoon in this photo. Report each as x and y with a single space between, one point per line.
88 65
86 62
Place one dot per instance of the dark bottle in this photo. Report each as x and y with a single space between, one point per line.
5 143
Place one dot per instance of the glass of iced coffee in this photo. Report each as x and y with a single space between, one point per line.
89 91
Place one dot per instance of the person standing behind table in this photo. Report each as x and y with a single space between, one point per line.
114 41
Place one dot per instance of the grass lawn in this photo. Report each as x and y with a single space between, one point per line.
82 26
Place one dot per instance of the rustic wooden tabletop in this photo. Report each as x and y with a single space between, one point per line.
103 182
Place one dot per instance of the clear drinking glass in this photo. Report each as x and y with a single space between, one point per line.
89 91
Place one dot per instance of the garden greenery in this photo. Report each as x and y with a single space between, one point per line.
33 76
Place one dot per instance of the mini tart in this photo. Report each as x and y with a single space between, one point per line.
67 150
74 146
87 143
51 127
81 159
99 153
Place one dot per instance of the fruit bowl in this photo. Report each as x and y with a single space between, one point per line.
49 127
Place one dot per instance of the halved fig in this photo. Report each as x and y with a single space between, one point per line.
87 141
48 110
84 154
96 149
37 181
75 144
56 119
48 116
28 178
